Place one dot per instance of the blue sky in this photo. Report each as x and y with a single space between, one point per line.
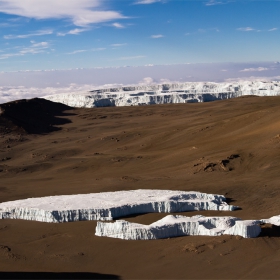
64 34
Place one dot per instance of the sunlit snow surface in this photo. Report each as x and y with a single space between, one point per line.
110 205
166 93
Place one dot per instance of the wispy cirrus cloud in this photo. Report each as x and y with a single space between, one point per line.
75 31
118 45
34 48
246 29
24 36
131 57
7 24
79 12
98 49
157 36
146 2
91 50
216 2
213 3
77 51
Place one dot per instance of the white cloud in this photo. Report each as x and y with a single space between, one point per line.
42 44
79 12
21 92
147 81
273 29
117 25
36 33
259 69
164 81
246 29
146 2
157 36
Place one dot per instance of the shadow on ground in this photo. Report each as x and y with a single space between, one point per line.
270 231
34 116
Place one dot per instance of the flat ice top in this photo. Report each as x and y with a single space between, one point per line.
107 200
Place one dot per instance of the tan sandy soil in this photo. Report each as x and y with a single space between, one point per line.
227 147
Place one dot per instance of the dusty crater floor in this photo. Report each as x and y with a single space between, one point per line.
228 147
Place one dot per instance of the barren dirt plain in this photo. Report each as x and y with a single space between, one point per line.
229 147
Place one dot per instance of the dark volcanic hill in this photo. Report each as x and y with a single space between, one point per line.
31 116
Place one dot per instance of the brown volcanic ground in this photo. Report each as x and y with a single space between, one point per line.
227 147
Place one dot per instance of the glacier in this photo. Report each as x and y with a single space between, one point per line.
176 225
107 206
110 205
190 92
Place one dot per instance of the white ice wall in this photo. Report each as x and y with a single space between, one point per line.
166 93
112 205
172 226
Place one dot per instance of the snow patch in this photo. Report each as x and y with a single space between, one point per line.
275 220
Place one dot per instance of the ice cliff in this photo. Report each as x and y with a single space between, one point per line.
112 205
166 93
172 226
109 205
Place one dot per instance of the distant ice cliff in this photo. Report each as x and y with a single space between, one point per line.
166 93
